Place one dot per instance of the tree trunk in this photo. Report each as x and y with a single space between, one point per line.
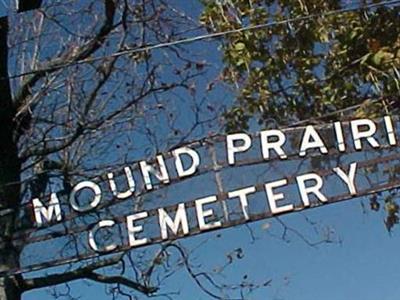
9 289
10 167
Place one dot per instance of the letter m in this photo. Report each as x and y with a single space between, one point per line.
180 220
47 213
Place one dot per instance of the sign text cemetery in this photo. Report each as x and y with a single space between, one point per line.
217 182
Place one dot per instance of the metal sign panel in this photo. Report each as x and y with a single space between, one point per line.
211 184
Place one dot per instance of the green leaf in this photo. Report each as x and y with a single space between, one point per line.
382 56
240 62
240 46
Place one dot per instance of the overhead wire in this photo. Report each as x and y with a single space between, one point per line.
199 38
213 35
202 37
8 211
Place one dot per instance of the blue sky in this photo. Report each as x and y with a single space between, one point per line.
364 265
3 9
361 263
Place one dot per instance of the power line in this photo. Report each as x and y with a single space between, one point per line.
207 36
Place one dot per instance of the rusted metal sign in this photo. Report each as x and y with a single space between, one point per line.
214 183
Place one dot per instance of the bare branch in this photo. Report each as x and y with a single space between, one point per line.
70 56
88 272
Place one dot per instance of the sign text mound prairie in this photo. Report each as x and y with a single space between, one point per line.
219 182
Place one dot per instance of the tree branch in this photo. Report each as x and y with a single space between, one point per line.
71 56
87 272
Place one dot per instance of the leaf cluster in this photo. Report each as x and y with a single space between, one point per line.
306 68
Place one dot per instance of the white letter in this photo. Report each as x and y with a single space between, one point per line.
357 134
390 130
85 185
179 165
132 229
202 214
131 184
232 149
242 194
273 198
304 191
348 179
339 136
53 208
311 139
267 145
180 219
92 234
161 175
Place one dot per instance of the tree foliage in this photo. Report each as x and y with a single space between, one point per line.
307 67
323 64
81 103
